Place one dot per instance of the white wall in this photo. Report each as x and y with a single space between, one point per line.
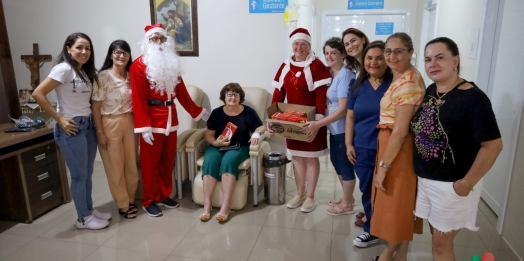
508 99
456 19
235 46
411 5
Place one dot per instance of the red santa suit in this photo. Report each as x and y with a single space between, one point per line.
157 160
304 83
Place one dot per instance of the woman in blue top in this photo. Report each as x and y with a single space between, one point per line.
335 121
363 110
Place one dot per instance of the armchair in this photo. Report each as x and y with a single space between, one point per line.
250 170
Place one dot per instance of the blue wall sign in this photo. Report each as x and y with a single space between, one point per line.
267 6
384 28
365 4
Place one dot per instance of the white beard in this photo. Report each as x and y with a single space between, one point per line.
163 66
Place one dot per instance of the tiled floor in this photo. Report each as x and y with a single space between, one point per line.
263 233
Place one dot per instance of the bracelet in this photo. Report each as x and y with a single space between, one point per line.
255 135
98 131
467 185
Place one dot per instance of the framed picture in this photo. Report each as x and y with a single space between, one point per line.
180 19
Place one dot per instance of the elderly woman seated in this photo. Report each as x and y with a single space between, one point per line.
231 129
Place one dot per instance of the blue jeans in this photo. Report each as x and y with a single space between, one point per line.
79 152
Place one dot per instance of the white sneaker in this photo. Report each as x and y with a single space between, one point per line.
91 222
308 205
295 202
101 215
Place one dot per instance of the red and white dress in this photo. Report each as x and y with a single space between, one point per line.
304 83
157 160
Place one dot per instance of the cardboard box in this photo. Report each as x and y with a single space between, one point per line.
286 129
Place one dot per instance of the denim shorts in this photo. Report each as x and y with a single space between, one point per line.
339 159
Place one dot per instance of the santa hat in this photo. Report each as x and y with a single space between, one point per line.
154 28
300 34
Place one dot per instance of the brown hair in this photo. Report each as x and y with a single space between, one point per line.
232 87
404 37
336 43
352 62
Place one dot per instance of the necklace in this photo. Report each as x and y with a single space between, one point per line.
439 98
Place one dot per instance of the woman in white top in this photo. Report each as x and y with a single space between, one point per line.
113 116
72 78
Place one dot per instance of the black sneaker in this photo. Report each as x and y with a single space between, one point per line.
365 239
153 210
168 203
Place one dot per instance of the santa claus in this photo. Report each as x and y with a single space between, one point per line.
156 81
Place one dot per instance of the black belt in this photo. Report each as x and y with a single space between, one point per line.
160 102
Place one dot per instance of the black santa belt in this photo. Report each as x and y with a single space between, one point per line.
160 102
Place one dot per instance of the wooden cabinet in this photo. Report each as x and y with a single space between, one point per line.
33 178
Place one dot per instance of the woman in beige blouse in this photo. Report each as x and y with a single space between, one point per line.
113 116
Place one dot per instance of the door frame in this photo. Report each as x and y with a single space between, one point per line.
424 36
485 78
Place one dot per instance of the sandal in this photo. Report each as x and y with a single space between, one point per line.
334 202
360 215
222 217
132 209
337 211
129 214
359 223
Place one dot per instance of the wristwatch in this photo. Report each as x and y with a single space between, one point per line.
383 165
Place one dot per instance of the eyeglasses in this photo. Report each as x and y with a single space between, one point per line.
119 53
155 39
397 51
231 95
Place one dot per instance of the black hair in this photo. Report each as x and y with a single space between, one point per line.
363 73
450 45
88 67
108 63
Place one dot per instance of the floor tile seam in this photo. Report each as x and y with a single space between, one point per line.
68 241
92 253
4 258
510 247
254 244
138 250
182 239
298 229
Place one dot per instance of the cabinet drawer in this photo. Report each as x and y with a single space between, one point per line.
41 177
45 198
39 157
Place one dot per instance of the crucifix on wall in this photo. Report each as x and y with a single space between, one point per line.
34 62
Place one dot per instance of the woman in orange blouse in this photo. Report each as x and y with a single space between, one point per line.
393 198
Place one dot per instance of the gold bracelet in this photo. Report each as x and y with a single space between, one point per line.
467 185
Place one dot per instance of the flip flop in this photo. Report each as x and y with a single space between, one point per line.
333 203
359 223
360 215
337 211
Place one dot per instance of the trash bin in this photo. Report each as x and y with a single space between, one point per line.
274 164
